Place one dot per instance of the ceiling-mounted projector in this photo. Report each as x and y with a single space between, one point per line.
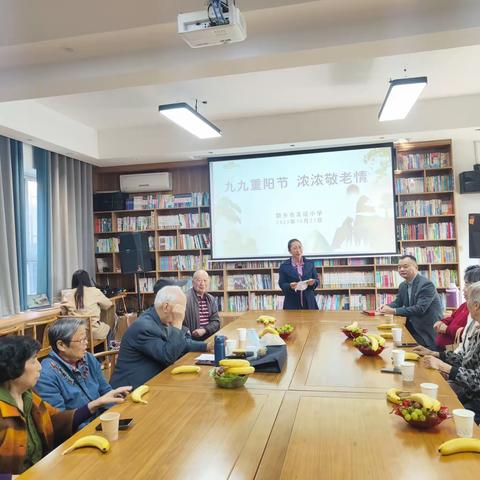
221 23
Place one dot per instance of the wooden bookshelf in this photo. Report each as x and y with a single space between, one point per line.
430 212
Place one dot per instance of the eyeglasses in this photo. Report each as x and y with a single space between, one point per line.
82 340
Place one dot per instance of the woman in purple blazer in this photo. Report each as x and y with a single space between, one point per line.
297 268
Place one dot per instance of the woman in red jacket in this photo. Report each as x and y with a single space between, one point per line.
447 328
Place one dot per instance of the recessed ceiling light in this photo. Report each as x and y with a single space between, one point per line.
68 49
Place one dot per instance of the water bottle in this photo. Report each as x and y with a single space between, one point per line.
253 341
452 296
219 349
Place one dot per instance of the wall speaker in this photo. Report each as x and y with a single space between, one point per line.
134 253
474 235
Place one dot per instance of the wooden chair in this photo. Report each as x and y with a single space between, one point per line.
17 330
109 360
40 333
91 342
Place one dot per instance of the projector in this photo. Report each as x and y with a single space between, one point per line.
201 29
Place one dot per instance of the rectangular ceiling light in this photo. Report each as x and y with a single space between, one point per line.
186 117
401 96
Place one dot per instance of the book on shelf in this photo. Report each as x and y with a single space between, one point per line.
432 254
237 303
336 262
107 245
167 242
347 279
167 200
412 231
422 160
168 222
441 231
266 302
250 282
332 302
442 278
194 220
409 185
429 184
362 302
200 241
135 223
439 183
184 262
424 208
103 225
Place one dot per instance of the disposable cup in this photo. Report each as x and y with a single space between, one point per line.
397 336
398 357
408 371
110 425
242 337
430 389
463 422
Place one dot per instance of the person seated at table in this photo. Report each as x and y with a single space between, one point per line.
29 426
463 368
155 340
87 300
418 300
450 327
201 315
70 375
297 268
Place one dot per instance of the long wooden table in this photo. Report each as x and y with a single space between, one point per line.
324 417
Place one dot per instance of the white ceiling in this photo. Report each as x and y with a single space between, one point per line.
87 77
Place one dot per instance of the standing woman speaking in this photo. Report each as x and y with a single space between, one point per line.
293 271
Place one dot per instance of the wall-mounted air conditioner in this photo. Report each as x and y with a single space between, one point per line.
146 182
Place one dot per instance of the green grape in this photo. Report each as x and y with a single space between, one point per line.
407 417
414 416
422 418
418 412
404 411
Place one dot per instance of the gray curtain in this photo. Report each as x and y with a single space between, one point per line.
9 288
72 220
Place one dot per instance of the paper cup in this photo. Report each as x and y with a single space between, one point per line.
230 345
408 371
110 425
463 422
398 357
430 389
397 336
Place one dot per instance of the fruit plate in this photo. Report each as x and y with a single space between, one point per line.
350 334
285 335
230 381
368 351
431 420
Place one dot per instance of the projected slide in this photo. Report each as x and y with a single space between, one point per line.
336 203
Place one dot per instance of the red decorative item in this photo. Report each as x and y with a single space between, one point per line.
368 351
351 334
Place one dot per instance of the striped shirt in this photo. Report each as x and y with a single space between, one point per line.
203 316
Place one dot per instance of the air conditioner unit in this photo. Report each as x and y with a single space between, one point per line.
198 29
146 182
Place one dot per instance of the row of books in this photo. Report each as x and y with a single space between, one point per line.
362 302
420 208
334 262
432 254
434 183
347 279
420 231
266 302
183 262
443 278
407 161
107 245
391 278
184 220
250 282
200 240
131 224
412 231
103 225
247 265
442 230
167 200
167 242
237 303
332 302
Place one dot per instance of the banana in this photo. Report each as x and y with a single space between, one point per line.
268 330
392 396
459 445
387 326
352 326
240 370
185 369
425 401
381 340
90 441
387 335
266 319
138 392
373 341
412 356
232 362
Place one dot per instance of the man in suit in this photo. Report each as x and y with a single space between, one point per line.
418 300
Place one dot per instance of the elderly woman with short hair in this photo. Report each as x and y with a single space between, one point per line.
463 368
71 376
29 426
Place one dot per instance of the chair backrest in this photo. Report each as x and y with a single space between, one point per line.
39 331
109 360
17 330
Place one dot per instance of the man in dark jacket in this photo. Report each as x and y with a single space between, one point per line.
418 300
201 315
155 341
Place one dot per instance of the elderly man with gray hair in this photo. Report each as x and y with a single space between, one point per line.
462 368
155 341
71 377
201 316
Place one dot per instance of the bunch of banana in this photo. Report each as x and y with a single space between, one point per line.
393 395
90 441
266 330
266 319
425 401
460 445
185 369
380 340
412 356
236 366
387 326
138 392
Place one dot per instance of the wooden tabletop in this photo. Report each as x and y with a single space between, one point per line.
324 417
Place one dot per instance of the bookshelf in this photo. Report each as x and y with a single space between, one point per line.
178 226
